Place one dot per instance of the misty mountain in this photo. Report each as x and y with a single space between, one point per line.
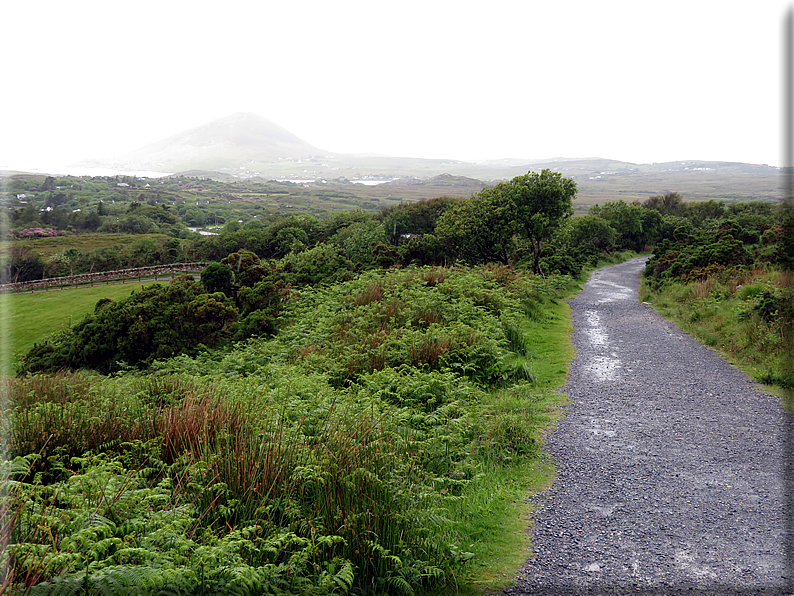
228 143
247 145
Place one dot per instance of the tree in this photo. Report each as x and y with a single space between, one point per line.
591 231
700 211
135 224
541 202
414 218
154 323
671 203
478 230
635 225
246 266
195 217
23 265
532 206
357 241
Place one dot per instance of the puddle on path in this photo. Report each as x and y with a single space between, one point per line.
595 332
609 291
604 367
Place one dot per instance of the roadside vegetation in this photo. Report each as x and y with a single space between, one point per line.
375 445
352 404
728 281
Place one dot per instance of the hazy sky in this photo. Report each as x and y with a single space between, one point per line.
635 81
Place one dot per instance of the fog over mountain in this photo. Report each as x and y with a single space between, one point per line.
230 142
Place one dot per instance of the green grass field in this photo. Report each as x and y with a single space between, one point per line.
30 317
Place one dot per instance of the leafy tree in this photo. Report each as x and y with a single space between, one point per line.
541 203
700 211
291 239
532 206
358 240
195 217
26 217
246 266
323 263
636 226
308 225
230 227
754 217
136 224
263 295
67 258
478 230
592 231
55 199
57 218
414 218
172 250
332 224
141 253
22 264
425 249
86 221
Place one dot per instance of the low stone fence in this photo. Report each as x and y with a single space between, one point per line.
121 275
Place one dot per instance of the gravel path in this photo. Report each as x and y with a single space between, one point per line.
671 474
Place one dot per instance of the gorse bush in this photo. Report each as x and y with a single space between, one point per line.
157 322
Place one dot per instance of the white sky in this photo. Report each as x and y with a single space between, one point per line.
628 80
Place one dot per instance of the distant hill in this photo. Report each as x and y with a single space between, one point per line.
227 143
246 145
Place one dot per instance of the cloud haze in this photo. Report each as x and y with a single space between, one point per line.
624 80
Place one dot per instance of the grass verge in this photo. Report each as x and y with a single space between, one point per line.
496 512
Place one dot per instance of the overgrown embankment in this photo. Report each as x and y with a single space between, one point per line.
747 316
382 442
731 286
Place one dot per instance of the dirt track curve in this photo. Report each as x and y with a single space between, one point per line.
671 463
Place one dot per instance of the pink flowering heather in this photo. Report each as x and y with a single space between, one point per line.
38 232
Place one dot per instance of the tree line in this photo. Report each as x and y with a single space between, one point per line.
525 223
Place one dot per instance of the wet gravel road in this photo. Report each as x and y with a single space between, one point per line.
671 475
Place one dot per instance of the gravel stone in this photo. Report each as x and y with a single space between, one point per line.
671 476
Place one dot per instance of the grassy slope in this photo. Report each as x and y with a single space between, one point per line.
29 318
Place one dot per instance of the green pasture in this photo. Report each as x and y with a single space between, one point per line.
30 317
